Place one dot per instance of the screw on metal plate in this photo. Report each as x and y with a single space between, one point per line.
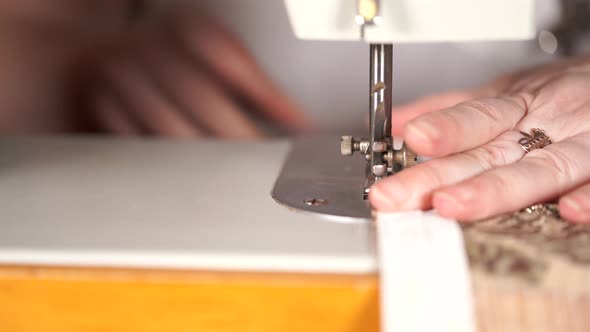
316 201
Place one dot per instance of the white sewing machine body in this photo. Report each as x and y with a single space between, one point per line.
163 204
415 21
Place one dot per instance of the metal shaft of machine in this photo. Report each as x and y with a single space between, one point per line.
381 78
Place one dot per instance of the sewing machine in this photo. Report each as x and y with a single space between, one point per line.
135 235
315 178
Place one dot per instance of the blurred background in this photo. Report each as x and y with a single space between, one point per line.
58 74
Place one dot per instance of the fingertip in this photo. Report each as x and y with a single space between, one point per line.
447 205
306 127
422 137
402 114
432 135
390 195
290 115
379 199
573 210
397 130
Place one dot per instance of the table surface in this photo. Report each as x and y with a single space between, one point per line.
91 201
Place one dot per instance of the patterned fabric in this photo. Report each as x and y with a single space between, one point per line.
530 246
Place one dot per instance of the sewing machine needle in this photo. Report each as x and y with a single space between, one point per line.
381 78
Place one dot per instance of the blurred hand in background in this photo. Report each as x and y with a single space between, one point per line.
131 68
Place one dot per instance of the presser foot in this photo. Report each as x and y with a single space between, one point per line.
389 162
315 178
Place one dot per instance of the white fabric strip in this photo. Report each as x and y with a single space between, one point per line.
424 275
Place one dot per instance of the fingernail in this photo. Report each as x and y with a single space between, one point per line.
571 204
446 204
386 200
423 131
463 193
573 211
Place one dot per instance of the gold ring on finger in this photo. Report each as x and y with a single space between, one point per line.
537 139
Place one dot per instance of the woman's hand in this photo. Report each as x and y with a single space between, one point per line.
480 169
179 73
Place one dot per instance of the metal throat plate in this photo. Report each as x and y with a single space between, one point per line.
316 178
